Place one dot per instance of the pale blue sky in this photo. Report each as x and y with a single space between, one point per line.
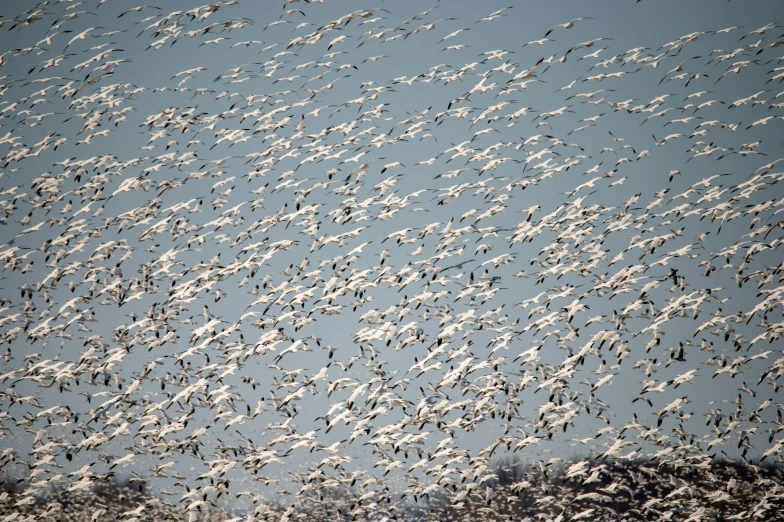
626 25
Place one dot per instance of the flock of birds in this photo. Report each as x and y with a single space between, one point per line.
242 254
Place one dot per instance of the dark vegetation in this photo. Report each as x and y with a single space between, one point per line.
580 489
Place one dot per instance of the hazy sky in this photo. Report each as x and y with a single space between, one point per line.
171 67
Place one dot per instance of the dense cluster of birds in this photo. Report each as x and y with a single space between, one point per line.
251 251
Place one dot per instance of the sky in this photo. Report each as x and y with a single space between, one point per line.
250 73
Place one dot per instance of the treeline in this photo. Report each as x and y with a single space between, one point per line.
578 489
